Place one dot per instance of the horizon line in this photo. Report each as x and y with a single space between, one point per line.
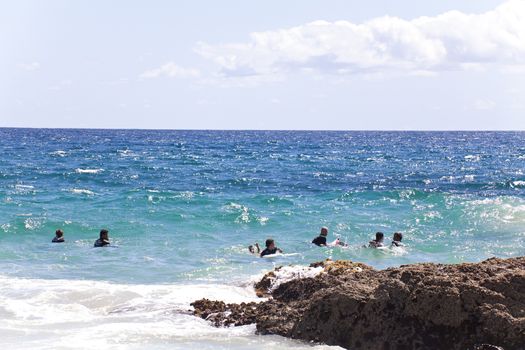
264 130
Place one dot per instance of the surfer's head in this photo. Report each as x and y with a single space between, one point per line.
398 236
379 236
104 234
59 233
324 231
270 243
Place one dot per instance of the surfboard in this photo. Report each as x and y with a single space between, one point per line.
280 255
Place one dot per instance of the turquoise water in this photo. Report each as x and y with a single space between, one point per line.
182 206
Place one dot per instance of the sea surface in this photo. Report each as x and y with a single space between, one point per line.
181 208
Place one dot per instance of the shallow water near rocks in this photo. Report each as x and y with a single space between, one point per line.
182 207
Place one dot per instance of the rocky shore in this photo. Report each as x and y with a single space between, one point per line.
420 306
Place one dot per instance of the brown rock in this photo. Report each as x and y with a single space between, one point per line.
262 288
421 306
222 314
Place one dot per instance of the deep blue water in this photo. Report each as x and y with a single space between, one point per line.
182 206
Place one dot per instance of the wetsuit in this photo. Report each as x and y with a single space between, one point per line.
376 244
269 251
319 241
58 240
101 243
397 244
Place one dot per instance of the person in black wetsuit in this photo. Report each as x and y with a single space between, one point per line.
103 240
378 242
396 240
270 248
59 237
320 240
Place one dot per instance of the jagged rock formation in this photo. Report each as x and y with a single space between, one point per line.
421 306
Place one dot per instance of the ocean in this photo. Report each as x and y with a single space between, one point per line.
181 208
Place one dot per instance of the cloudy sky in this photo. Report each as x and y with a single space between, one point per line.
295 64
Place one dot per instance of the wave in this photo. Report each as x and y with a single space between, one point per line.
84 300
24 187
37 313
82 191
518 183
88 171
499 209
59 153
472 158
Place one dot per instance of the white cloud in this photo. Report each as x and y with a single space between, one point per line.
484 104
29 66
450 41
64 83
171 70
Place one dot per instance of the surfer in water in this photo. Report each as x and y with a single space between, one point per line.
252 249
59 236
378 242
396 240
270 248
320 240
103 240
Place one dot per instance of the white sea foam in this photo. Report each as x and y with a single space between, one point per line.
232 207
244 213
244 217
155 199
126 153
263 220
59 153
433 215
88 171
495 201
472 158
469 178
71 314
518 183
186 195
32 223
82 191
506 210
398 251
289 273
24 189
448 178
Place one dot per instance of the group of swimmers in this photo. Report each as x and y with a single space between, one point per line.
270 249
378 242
102 241
320 241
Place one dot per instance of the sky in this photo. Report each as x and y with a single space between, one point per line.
236 64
